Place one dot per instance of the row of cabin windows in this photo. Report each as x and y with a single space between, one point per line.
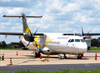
76 40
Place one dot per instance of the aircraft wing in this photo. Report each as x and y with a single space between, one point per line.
20 34
7 33
85 34
68 33
92 34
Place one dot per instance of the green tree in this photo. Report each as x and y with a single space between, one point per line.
94 42
3 43
0 45
98 41
17 43
21 44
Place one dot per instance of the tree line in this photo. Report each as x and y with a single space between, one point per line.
94 43
11 45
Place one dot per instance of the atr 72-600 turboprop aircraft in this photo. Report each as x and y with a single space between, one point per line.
51 43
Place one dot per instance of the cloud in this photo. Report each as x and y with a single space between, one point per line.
14 11
65 16
11 0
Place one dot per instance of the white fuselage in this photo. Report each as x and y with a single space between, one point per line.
56 43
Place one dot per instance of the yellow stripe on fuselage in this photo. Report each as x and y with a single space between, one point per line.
45 44
47 41
36 40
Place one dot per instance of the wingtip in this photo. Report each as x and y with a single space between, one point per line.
4 16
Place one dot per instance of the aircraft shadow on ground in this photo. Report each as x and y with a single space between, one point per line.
85 58
33 57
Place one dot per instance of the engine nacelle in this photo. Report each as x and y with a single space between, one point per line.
46 50
29 37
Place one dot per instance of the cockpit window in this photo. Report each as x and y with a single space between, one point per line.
71 40
77 40
82 40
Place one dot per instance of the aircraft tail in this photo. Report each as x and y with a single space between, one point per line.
26 29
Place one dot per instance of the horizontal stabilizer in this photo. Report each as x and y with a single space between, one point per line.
22 16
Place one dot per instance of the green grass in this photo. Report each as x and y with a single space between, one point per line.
10 48
95 48
63 71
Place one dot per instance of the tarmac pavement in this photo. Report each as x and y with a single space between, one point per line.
57 67
25 61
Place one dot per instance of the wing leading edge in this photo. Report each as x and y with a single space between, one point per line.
19 34
85 34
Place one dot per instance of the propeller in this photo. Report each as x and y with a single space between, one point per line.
89 31
82 31
82 34
36 30
31 38
36 45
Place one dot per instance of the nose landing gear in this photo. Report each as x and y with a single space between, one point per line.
62 56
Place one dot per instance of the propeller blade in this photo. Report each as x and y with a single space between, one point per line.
82 31
28 44
89 31
29 40
36 30
36 45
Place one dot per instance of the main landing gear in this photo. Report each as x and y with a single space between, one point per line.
62 56
37 54
79 56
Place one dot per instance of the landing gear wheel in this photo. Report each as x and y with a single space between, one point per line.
37 55
61 56
79 57
65 56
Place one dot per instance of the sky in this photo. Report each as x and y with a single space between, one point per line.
59 16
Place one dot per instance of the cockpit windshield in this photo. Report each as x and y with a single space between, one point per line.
76 40
82 40
71 40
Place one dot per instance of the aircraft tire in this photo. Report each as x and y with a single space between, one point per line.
37 55
79 57
61 56
65 56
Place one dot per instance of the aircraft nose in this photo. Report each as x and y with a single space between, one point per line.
81 47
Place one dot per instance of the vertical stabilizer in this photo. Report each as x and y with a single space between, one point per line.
25 26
